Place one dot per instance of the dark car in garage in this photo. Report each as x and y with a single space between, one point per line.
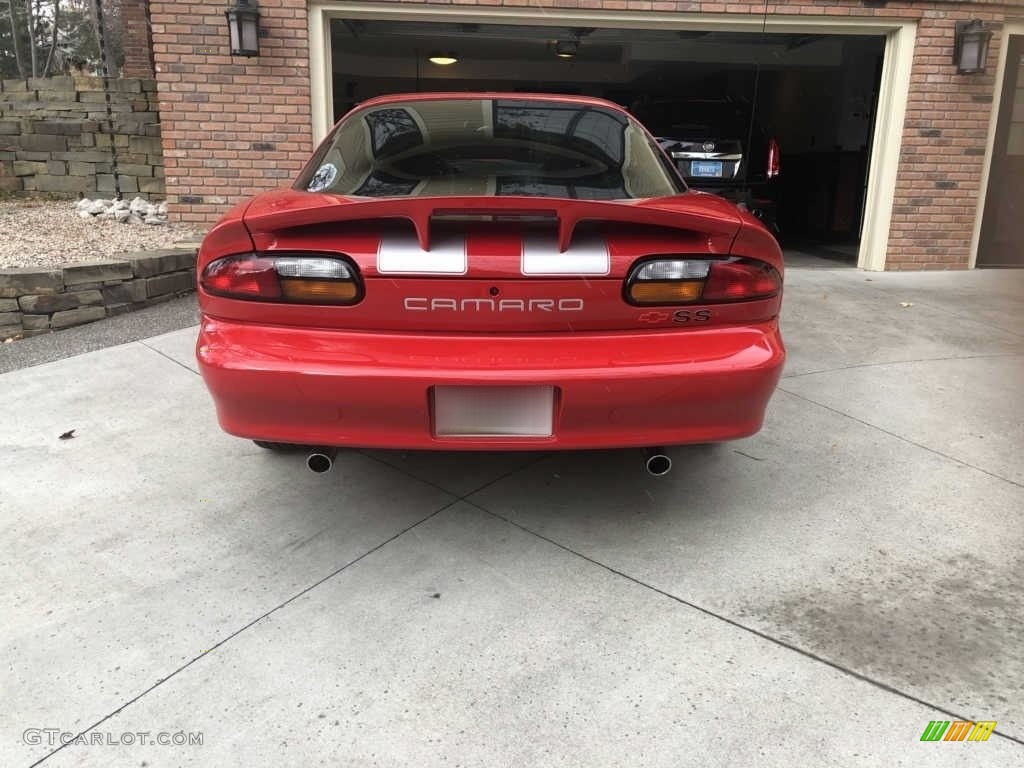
717 147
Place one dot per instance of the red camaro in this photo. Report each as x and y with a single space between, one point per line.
461 271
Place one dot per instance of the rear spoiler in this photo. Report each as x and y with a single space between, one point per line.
290 209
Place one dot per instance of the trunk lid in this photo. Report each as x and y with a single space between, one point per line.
491 264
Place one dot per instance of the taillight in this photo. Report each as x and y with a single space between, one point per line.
294 277
773 158
693 281
741 280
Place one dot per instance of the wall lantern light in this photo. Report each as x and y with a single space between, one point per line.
970 47
243 28
443 60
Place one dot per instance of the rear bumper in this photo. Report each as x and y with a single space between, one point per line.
612 390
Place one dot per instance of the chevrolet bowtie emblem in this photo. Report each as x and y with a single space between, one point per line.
653 317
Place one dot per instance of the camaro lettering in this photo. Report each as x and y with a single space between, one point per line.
477 304
423 304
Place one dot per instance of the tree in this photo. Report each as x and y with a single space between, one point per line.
10 40
39 38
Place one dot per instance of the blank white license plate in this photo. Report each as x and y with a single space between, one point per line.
493 411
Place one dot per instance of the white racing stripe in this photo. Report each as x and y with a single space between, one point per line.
400 254
587 255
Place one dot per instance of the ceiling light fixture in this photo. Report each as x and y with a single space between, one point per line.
566 49
442 59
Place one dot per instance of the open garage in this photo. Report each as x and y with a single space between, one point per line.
884 117
782 123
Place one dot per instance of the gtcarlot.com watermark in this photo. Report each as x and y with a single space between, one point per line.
55 737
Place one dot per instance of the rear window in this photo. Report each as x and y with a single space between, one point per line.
490 147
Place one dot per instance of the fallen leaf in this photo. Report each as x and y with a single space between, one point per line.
906 304
67 435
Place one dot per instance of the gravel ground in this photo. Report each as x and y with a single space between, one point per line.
45 233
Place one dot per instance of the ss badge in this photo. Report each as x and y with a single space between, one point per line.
692 316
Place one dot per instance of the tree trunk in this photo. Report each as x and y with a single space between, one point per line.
14 40
53 40
30 22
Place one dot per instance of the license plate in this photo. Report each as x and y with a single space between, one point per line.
706 168
493 411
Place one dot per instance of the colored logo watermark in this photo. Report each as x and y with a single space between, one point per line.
958 730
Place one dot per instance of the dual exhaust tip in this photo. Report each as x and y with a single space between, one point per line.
321 460
656 461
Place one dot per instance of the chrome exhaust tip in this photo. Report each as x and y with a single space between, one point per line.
657 463
321 460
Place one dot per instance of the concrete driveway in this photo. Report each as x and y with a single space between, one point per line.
812 596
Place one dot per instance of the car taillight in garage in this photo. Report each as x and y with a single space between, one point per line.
299 278
693 281
774 163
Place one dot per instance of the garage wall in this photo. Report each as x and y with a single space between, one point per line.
236 126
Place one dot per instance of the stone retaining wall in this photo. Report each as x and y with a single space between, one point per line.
54 136
35 300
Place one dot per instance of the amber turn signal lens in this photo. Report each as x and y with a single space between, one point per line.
665 292
319 291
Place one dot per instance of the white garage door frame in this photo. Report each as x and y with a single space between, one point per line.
895 85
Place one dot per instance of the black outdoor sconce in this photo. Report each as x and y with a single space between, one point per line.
970 47
243 27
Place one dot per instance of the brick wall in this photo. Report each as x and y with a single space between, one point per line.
235 126
138 44
54 136
943 150
232 126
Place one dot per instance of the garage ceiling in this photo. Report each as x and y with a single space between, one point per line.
354 40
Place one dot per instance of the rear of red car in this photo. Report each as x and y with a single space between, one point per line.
489 272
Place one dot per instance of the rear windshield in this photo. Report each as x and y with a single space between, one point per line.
490 147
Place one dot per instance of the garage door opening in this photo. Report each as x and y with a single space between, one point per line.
731 108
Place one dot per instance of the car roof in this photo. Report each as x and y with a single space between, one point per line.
591 101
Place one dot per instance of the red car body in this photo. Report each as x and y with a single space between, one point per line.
488 321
